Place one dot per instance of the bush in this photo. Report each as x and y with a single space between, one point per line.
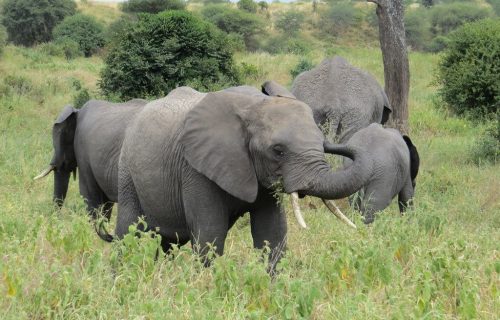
290 22
235 21
161 52
340 17
417 28
487 146
469 69
247 5
303 65
448 17
64 47
81 98
84 30
152 6
30 22
3 38
285 44
115 30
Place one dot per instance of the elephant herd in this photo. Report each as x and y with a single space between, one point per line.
191 163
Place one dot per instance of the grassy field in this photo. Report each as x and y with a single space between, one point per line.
440 262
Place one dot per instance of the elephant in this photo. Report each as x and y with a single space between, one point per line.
192 163
343 98
90 139
393 169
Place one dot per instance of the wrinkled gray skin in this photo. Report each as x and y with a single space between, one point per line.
193 163
392 171
90 139
342 96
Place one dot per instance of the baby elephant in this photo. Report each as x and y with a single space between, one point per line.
393 169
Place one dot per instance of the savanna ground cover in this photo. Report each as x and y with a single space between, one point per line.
439 262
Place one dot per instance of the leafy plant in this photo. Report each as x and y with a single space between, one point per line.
163 51
303 65
487 146
30 22
290 22
152 6
64 47
84 30
469 69
247 5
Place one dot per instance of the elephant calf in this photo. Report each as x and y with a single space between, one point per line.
90 139
392 171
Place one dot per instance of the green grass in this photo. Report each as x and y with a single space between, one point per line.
439 262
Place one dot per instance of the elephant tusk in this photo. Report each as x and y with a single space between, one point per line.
44 172
336 211
296 209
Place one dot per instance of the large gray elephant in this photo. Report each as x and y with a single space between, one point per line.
341 96
193 163
393 168
90 139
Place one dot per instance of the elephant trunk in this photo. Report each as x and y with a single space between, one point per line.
331 184
61 181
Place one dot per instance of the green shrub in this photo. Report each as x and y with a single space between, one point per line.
263 6
235 21
30 22
340 17
448 17
81 97
250 72
437 44
84 30
3 38
163 51
417 28
114 31
303 65
469 69
285 44
247 5
290 22
487 146
152 6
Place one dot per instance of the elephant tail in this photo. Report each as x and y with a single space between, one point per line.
101 230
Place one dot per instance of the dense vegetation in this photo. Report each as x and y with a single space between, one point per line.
30 22
439 262
161 52
152 6
84 30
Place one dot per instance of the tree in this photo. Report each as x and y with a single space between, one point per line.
290 22
391 28
247 5
152 6
84 30
163 51
30 22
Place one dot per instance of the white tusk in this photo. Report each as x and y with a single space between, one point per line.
336 211
44 172
294 196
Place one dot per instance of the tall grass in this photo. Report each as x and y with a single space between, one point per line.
439 262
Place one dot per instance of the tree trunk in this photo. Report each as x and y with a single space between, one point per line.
391 28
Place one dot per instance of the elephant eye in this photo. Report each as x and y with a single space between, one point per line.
278 150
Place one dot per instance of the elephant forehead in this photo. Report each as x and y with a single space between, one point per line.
286 109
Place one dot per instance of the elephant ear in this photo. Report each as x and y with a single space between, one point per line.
215 142
274 89
63 134
414 157
387 109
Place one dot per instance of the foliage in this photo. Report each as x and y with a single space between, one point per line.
152 6
495 5
235 21
468 72
81 97
248 6
63 47
303 65
263 5
339 18
84 30
250 72
3 38
30 22
290 22
116 29
487 146
285 44
448 17
417 28
161 52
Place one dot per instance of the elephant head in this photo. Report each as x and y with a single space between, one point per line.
414 160
63 161
244 143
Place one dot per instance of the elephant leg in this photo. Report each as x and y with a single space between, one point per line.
268 225
91 192
376 198
206 210
129 208
405 197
